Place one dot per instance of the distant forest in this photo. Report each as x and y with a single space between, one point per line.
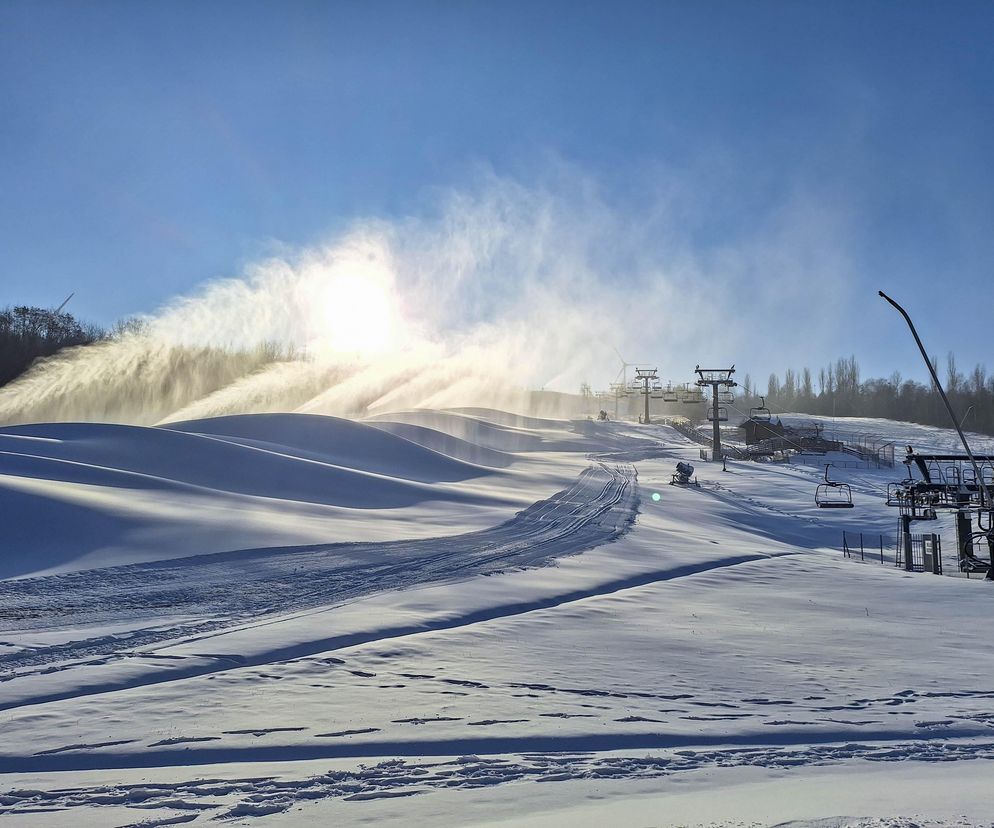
838 391
28 333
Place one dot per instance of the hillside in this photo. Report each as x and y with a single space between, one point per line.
463 617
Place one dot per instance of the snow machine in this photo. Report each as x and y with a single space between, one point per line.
684 475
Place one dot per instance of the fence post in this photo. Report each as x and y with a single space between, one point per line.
861 547
909 561
881 549
845 546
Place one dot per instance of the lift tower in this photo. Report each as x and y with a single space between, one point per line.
719 380
619 390
648 378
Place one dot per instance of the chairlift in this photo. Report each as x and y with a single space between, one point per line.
726 397
952 475
722 415
761 413
833 495
692 396
968 561
670 394
987 475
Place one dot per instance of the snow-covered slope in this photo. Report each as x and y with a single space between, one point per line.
922 438
651 654
88 494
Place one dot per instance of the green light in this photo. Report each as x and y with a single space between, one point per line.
655 496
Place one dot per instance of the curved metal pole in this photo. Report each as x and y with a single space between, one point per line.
985 496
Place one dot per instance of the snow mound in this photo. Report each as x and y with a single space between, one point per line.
484 430
89 494
447 444
505 418
338 442
168 458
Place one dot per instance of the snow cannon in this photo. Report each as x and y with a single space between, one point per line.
684 475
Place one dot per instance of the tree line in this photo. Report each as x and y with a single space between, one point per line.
838 390
29 333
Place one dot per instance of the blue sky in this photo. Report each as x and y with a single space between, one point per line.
148 147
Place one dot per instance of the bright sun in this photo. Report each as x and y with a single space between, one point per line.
358 314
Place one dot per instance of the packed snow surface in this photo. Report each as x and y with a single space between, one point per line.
469 617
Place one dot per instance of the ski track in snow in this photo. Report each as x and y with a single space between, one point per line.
261 796
227 589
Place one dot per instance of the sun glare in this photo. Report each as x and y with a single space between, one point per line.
357 314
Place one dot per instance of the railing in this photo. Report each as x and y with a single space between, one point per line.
926 554
926 550
864 547
689 432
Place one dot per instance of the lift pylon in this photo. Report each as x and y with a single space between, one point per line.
648 379
719 380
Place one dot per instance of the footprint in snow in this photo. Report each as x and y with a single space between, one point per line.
84 746
261 731
355 732
180 740
568 715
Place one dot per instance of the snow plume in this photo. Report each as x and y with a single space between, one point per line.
501 289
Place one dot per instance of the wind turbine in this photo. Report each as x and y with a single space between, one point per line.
58 310
623 373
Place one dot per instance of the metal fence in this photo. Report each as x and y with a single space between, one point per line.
926 550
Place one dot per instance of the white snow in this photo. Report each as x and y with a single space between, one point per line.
468 617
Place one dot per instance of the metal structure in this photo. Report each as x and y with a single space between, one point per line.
719 380
65 302
949 481
647 384
684 475
833 495
619 390
671 394
721 413
969 497
761 413
625 365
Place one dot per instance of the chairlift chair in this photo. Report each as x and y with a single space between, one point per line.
833 495
761 413
722 415
726 397
670 394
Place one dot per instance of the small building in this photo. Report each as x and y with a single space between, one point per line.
756 431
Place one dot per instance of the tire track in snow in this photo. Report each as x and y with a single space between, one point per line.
215 663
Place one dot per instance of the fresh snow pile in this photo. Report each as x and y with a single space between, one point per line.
467 617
